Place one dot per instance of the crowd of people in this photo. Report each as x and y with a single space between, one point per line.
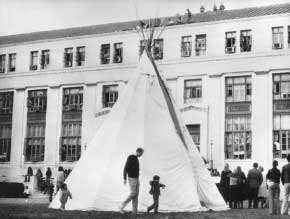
235 187
45 183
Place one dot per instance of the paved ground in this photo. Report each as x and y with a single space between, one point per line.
38 208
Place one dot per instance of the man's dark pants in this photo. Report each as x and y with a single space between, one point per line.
253 195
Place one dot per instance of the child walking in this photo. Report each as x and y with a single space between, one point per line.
155 192
64 194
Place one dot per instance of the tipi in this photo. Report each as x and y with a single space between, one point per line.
144 116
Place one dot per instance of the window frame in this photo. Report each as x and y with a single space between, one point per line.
105 53
157 49
45 58
230 42
195 91
2 63
110 97
238 128
33 60
80 55
280 38
246 40
186 46
68 57
118 52
12 62
200 44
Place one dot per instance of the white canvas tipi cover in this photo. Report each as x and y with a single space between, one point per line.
141 118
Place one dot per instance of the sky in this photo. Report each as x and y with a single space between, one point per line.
23 16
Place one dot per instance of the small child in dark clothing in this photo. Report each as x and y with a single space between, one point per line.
155 191
64 194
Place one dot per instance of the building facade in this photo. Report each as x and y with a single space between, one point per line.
228 71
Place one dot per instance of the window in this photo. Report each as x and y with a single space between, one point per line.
80 56
192 90
6 102
68 57
230 42
44 62
118 52
288 36
33 60
34 142
186 46
5 142
2 63
6 107
158 49
35 132
200 44
281 115
238 89
246 40
12 62
110 95
277 33
105 53
281 87
70 142
238 143
194 131
238 137
73 99
36 101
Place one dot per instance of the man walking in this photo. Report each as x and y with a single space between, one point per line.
132 170
285 179
254 180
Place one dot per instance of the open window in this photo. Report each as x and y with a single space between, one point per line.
118 52
80 56
277 33
68 57
200 45
2 63
33 60
158 49
105 53
186 46
230 42
246 40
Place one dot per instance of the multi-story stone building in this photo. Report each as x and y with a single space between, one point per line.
228 70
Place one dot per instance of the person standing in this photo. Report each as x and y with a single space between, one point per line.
155 192
262 194
39 179
28 174
225 182
254 180
242 187
285 179
48 173
59 178
132 170
234 189
273 178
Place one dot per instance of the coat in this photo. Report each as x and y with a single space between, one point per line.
254 178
